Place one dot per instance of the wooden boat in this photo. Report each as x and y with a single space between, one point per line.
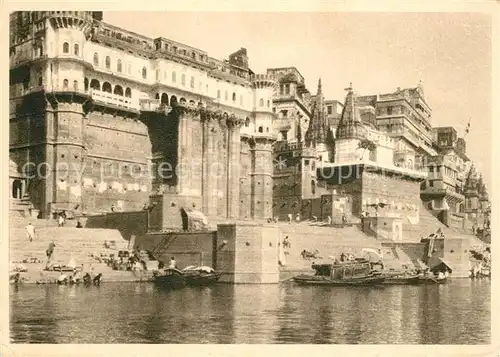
429 279
402 278
190 276
349 273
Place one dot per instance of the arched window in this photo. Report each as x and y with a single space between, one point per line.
173 100
191 102
165 76
94 84
96 59
108 62
144 73
192 82
261 102
157 96
218 93
247 122
261 129
268 103
225 95
313 187
118 90
65 47
164 99
267 130
106 87
183 79
182 100
86 84
128 93
75 86
174 77
76 49
65 84
119 65
40 81
234 97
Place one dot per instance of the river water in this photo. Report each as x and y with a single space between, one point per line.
454 313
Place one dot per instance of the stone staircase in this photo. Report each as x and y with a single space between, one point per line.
328 241
76 243
428 224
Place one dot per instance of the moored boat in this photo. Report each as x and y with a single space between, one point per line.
190 276
349 273
429 279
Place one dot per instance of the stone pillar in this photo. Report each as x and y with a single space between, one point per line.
221 176
64 184
233 192
182 169
209 165
262 177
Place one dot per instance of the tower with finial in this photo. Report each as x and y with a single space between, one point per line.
471 191
318 135
350 130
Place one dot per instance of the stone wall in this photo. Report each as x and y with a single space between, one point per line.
116 166
248 253
188 248
391 189
129 224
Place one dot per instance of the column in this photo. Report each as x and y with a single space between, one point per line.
205 169
182 166
234 167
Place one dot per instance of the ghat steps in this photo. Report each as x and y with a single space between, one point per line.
77 243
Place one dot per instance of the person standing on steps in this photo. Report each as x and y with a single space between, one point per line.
30 229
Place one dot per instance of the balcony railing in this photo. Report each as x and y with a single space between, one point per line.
150 105
114 99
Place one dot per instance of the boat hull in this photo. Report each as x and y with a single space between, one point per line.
180 281
411 280
319 280
431 280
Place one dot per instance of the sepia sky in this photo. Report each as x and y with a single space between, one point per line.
377 52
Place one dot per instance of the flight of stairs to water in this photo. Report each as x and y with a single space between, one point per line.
329 241
76 243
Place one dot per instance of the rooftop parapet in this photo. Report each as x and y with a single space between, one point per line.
263 80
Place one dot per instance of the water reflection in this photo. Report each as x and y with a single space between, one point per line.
454 313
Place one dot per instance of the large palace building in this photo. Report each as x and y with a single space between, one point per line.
105 119
102 117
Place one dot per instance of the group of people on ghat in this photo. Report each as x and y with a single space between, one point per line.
77 278
314 219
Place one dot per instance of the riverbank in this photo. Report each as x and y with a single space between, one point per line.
37 275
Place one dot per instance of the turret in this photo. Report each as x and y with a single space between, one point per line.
264 86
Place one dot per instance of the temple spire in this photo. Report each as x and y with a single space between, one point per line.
318 129
350 125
